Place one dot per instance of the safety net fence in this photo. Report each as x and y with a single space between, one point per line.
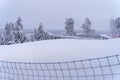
104 68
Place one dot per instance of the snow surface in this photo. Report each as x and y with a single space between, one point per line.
59 50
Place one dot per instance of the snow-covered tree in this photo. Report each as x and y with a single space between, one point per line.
18 24
117 25
13 33
87 27
19 36
70 27
2 41
40 33
32 38
112 25
8 34
113 29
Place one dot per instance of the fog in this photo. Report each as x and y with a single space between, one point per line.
53 13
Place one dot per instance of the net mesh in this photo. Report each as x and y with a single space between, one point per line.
104 68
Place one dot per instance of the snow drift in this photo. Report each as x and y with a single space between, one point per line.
59 50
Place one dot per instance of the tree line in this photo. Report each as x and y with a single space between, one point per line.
13 32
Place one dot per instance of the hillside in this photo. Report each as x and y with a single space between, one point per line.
59 50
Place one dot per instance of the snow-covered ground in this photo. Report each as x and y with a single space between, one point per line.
59 50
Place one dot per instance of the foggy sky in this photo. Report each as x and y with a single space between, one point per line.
53 13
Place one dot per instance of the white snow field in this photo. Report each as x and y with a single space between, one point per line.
59 50
14 60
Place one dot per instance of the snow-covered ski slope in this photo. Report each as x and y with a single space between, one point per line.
59 50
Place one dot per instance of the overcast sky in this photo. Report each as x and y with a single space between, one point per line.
52 13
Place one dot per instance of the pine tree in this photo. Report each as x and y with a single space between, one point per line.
117 25
87 27
70 27
113 29
19 36
35 35
8 35
19 25
40 33
2 41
